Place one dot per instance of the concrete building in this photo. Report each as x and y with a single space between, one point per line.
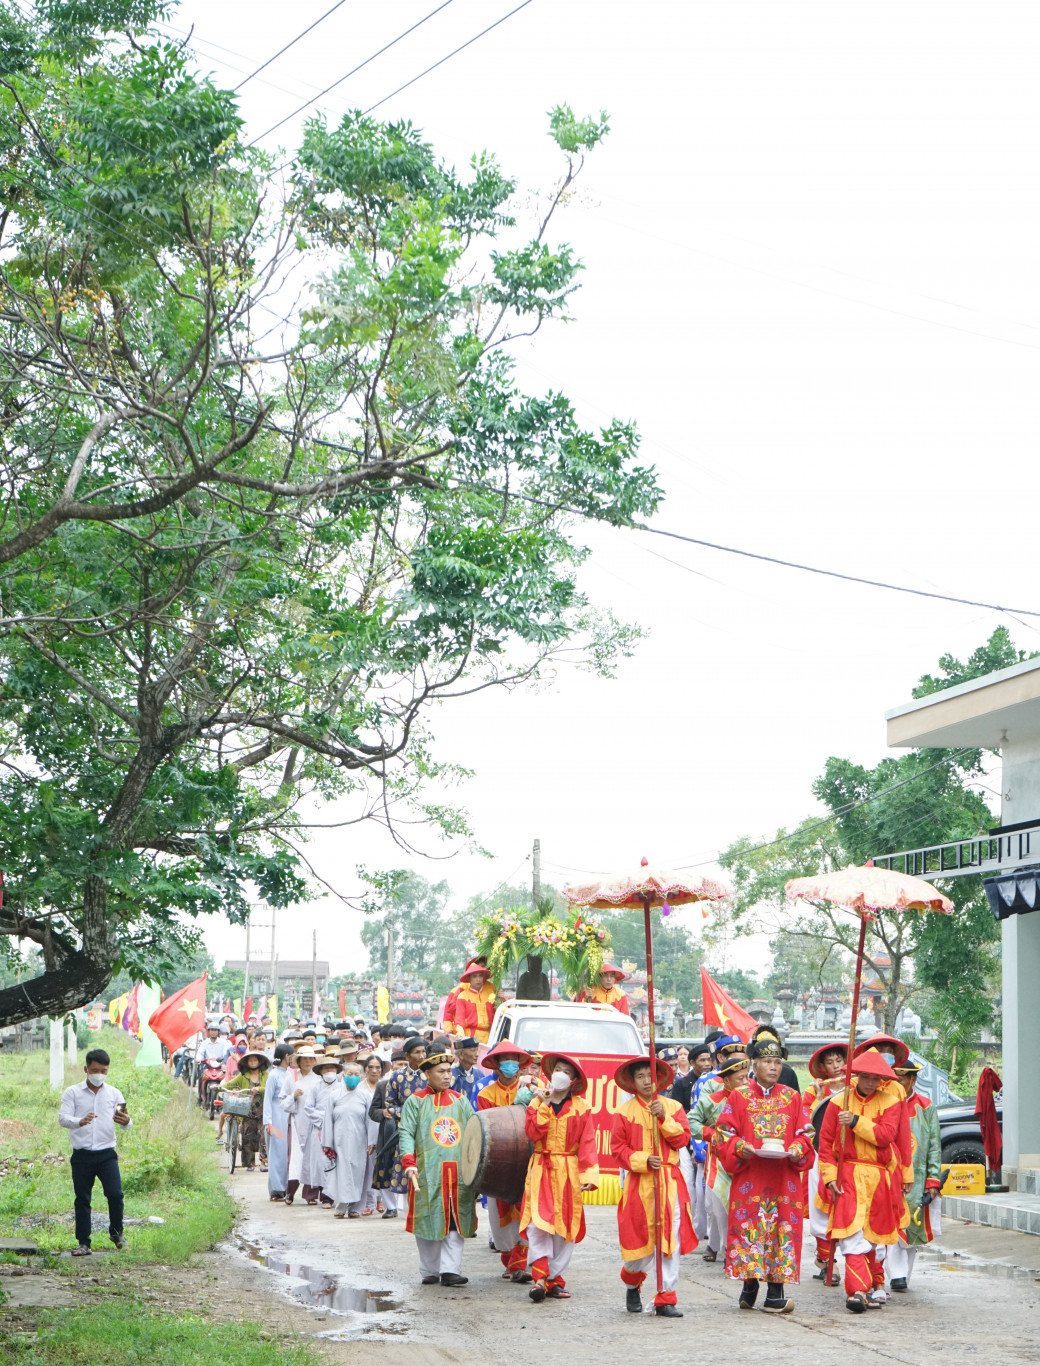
1000 711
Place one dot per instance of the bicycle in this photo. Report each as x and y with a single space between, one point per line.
236 1107
230 1143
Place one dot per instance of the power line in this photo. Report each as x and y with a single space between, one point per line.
352 72
836 813
448 58
290 44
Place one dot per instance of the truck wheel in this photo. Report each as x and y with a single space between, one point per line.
963 1150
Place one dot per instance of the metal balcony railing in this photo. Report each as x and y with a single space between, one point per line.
1004 849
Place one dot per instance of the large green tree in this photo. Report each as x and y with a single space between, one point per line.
928 796
247 544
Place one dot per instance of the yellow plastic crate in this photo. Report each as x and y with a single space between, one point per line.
965 1178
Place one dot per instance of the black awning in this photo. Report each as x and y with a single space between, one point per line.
1017 893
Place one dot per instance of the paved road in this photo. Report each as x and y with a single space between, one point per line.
976 1299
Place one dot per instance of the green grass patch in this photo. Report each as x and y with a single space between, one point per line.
166 1158
98 1337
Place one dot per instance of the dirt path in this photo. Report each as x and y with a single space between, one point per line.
975 1297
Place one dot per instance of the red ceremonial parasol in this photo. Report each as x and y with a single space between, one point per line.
641 892
863 891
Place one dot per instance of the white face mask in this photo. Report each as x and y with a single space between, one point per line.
560 1081
329 1077
95 1082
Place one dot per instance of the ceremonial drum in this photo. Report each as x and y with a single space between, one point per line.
495 1153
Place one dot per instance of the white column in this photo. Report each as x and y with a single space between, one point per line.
73 1055
1021 1040
57 1056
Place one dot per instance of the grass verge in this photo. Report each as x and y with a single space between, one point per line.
97 1337
165 1159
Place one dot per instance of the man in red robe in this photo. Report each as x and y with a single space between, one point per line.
632 1143
764 1146
866 1163
607 990
506 1060
563 1164
474 1005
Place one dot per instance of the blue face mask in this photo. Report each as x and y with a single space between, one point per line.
351 1082
509 1068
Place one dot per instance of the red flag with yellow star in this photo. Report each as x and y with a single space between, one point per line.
721 1010
180 1015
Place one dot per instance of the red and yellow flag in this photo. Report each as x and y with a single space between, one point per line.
181 1016
721 1010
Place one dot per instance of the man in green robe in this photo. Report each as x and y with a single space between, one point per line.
924 1201
441 1210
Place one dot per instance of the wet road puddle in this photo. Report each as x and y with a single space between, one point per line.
320 1289
939 1259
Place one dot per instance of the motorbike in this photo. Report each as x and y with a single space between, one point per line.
212 1080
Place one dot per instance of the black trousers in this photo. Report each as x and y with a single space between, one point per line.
101 1164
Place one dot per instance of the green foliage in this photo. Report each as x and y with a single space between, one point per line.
999 652
101 1337
239 568
677 955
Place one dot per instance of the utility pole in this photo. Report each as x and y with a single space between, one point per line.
389 933
314 975
274 958
536 874
245 984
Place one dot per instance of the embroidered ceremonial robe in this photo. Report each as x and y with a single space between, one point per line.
614 997
764 1235
399 1086
564 1160
474 1011
430 1130
926 1154
875 1164
631 1142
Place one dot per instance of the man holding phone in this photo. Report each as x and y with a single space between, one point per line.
90 1111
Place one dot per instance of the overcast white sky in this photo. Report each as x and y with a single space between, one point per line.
812 280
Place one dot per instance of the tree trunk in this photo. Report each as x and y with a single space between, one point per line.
892 1003
77 978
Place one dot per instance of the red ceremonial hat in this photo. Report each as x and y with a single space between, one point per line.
664 1073
817 1057
502 1050
884 1043
478 964
549 1061
609 967
871 1064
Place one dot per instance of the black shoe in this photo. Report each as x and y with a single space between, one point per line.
520 1277
633 1303
748 1295
390 1214
537 1292
430 1280
667 1311
778 1305
898 1285
450 1278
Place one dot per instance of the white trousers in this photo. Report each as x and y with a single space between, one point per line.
504 1237
669 1265
899 1261
550 1245
699 1202
718 1221
855 1245
438 1256
818 1218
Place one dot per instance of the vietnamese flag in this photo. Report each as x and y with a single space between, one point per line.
342 1003
247 1010
721 1010
181 1015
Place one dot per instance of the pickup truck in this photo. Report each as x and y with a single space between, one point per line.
960 1134
597 1036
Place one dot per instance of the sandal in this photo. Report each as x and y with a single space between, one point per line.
366 1212
355 1215
558 1293
341 1216
82 1251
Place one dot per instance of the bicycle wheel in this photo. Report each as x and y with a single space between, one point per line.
231 1142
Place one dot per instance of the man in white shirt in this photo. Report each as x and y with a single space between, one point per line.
215 1048
90 1111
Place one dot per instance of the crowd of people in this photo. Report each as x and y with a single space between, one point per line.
365 1121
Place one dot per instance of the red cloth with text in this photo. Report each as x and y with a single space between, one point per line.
986 1112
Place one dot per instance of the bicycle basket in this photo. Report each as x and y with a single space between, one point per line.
237 1104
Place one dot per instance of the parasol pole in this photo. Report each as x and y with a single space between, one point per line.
863 917
654 1133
